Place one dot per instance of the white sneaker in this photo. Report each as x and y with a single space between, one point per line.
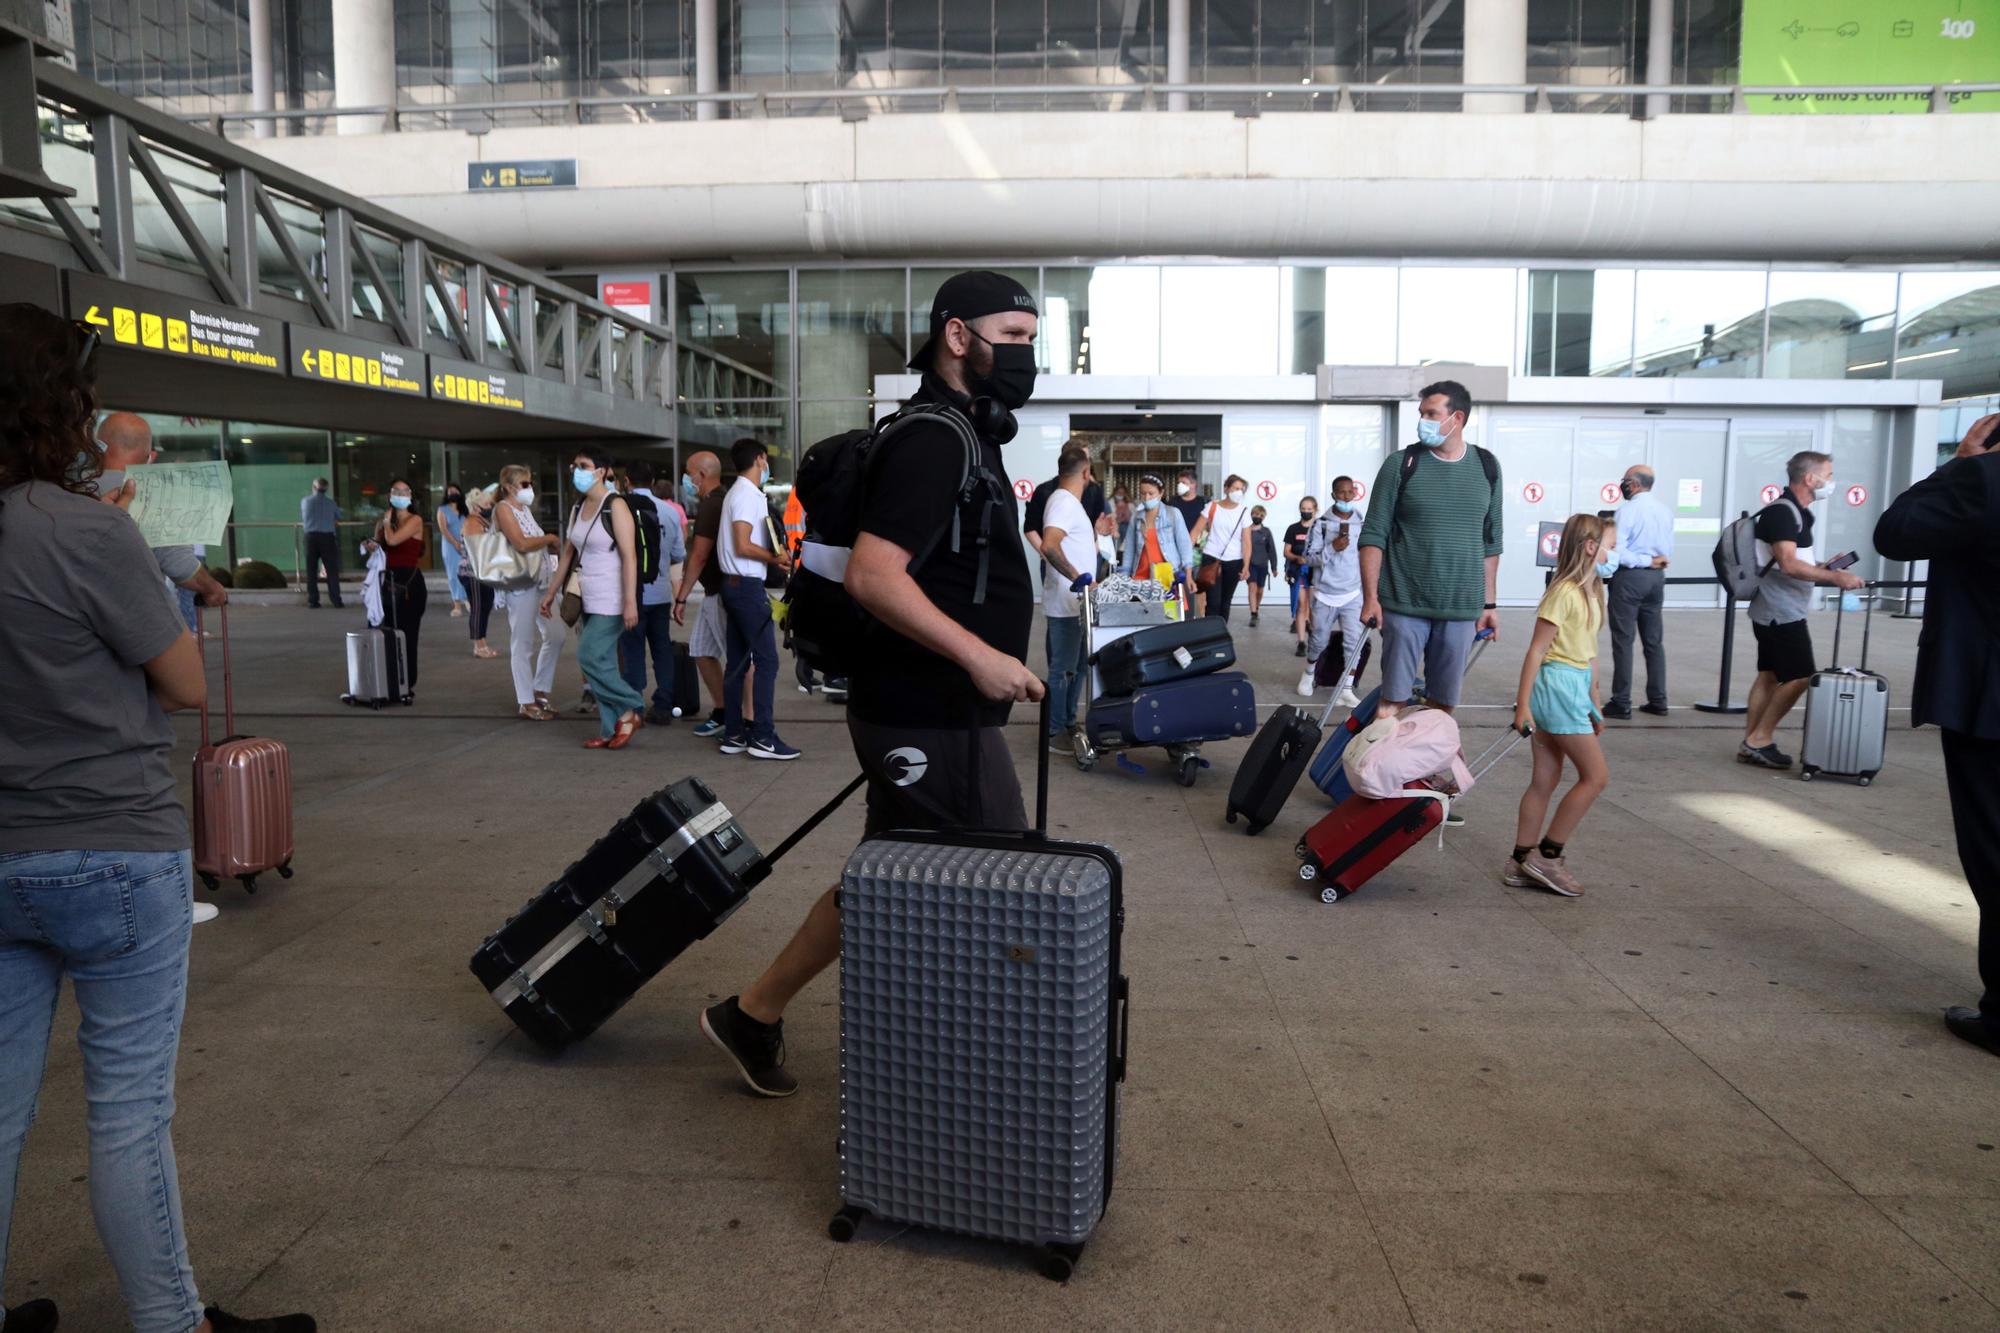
1306 683
206 912
1348 699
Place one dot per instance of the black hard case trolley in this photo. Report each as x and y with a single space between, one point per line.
665 876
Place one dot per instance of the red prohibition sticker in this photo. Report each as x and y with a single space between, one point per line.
1551 543
1857 495
1024 489
1769 495
1267 490
1533 492
1608 492
1361 490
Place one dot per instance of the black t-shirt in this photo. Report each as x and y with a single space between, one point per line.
708 523
1031 516
1779 522
1295 542
1191 510
912 487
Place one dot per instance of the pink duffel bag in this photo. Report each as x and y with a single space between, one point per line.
1395 753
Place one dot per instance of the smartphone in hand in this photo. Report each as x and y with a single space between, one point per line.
1843 560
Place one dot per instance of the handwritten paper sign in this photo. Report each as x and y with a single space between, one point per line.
181 504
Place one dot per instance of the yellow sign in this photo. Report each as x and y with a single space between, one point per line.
152 331
177 335
124 325
154 321
320 354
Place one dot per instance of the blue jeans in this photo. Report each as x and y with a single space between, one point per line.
1066 670
186 599
655 631
1301 586
597 654
752 639
117 924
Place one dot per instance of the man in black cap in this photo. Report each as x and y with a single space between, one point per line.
947 661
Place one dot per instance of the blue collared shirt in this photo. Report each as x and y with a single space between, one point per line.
319 514
1645 530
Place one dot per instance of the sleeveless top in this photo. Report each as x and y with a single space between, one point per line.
597 556
405 555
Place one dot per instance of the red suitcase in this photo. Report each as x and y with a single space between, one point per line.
1364 836
242 796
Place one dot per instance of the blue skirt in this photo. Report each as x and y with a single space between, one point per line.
1560 701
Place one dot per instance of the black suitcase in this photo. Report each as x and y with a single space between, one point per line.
1174 651
687 683
665 876
1283 750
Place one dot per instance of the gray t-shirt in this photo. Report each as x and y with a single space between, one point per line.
85 753
1780 598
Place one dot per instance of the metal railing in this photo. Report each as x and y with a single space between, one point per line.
362 270
856 103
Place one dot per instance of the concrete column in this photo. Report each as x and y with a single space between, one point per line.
263 80
1177 51
364 61
1496 50
706 61
1659 53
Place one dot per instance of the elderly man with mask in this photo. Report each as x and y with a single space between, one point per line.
1638 591
127 442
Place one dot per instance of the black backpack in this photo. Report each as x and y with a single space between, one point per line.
645 524
828 627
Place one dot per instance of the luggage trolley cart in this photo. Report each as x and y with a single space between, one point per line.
1183 752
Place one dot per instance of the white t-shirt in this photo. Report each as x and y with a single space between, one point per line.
743 504
1336 574
1079 546
1226 531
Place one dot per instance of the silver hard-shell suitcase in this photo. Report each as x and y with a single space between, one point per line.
1847 714
373 679
982 1034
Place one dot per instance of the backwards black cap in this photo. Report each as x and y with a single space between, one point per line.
967 296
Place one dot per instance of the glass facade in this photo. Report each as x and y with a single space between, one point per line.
453 55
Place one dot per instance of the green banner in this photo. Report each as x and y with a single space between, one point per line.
1858 42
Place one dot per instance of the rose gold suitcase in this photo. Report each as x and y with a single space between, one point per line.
242 796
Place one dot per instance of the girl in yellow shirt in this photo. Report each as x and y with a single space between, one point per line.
1558 694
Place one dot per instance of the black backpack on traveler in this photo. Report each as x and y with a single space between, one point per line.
828 627
645 526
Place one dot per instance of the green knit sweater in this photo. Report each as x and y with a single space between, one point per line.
1434 564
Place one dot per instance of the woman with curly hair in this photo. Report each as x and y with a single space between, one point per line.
96 882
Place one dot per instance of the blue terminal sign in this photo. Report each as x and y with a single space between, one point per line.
552 173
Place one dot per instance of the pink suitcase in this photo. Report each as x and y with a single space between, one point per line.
242 796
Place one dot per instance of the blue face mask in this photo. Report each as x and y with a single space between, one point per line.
688 489
1153 503
400 501
583 479
1343 506
1606 568
1430 433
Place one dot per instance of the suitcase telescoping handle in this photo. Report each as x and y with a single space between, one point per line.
1867 600
228 683
1513 736
760 872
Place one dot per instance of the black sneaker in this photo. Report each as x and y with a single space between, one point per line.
1618 712
656 717
1253 620
224 1322
1770 756
757 1048
1301 651
37 1316
1657 710
1966 1023
835 690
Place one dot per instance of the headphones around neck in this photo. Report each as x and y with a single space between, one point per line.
990 417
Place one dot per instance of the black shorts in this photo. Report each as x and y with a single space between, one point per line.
1785 650
937 778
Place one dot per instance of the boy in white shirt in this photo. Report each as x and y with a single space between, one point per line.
1334 555
1069 555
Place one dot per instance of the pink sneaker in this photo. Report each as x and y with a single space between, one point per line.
1513 876
1552 875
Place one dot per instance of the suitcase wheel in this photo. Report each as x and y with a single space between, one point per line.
285 870
845 1223
1308 872
1229 817
249 883
1057 1262
1329 894
1252 828
210 882
1806 774
1299 849
1864 779
1190 769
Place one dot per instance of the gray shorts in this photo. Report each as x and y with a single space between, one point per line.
1434 650
938 778
709 637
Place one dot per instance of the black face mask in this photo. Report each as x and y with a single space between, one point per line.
1626 488
1011 381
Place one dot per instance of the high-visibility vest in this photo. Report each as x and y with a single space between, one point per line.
795 522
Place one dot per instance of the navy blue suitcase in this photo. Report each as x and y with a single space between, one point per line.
1327 772
1178 650
1176 712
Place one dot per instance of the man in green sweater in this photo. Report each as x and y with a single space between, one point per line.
1430 553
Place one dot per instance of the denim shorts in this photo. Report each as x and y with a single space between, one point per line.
1560 701
1434 650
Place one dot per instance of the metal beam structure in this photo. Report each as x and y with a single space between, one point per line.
294 249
